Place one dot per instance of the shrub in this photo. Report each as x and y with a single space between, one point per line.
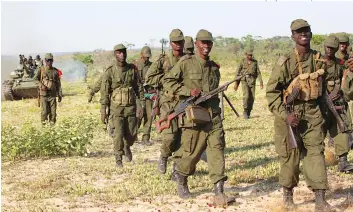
66 138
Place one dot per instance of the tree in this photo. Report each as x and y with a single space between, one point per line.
318 39
129 45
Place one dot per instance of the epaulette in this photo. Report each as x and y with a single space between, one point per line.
282 59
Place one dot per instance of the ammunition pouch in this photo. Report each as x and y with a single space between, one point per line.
197 115
309 85
124 96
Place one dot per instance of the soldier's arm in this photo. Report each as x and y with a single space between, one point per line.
105 89
97 85
347 84
238 73
258 73
172 81
274 91
154 75
59 89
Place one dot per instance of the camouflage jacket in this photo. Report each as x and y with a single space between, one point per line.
121 77
142 68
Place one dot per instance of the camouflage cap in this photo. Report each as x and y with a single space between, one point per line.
119 47
204 35
176 35
49 56
189 42
343 38
299 23
146 51
331 41
248 50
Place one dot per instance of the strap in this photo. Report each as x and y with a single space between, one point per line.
299 63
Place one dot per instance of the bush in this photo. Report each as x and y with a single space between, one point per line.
67 138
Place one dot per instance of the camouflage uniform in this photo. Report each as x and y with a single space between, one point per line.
167 100
247 73
309 134
122 91
49 89
333 78
142 67
193 72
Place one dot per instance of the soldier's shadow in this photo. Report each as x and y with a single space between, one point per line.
229 150
100 154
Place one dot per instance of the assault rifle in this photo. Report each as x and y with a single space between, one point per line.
342 127
291 141
188 102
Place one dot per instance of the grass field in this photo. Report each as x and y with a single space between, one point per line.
92 183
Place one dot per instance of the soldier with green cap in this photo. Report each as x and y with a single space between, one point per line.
122 92
189 77
167 100
189 45
143 65
299 69
343 52
333 81
247 73
49 89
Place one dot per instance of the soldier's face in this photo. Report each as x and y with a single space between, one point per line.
302 36
249 56
177 45
204 47
330 52
344 46
145 59
49 62
120 55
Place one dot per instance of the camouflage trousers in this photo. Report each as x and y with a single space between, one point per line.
310 139
125 132
48 109
248 95
147 120
194 141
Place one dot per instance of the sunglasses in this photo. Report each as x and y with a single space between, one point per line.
49 60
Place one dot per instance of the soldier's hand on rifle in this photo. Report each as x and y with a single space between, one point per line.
261 85
195 92
350 64
236 85
103 118
292 120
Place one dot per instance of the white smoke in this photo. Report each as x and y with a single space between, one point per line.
73 70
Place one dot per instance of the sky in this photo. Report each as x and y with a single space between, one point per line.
54 26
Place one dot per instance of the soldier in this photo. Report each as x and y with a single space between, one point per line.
189 45
333 78
247 73
38 61
343 52
296 67
167 101
49 89
189 77
143 65
122 92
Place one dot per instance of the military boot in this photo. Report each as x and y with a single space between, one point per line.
343 165
320 203
288 198
174 177
183 189
248 112
118 161
128 153
245 114
220 199
162 164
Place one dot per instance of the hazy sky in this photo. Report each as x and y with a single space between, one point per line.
28 27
